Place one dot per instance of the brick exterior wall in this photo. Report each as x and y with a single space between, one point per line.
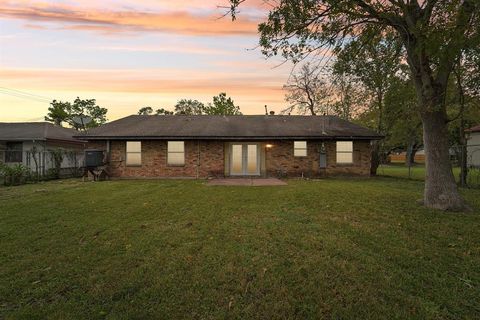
208 154
280 160
206 158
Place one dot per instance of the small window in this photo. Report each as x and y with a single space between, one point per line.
13 152
176 153
134 153
344 151
300 148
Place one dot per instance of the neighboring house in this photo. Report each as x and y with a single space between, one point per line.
473 146
32 143
218 146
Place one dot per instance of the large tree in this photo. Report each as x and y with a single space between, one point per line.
65 112
373 60
58 112
433 34
222 105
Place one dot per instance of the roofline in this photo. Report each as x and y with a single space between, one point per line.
22 139
76 141
228 137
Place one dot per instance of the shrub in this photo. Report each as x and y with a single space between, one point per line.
14 175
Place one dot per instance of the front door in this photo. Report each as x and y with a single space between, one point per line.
244 159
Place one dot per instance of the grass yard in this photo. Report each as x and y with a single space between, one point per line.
335 248
400 170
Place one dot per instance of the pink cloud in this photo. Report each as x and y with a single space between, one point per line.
111 21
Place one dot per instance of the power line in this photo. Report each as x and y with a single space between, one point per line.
24 95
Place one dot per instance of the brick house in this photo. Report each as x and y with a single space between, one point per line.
220 146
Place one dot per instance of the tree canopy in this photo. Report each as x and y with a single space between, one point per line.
432 33
222 105
61 113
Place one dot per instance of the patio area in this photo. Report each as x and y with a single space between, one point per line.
247 182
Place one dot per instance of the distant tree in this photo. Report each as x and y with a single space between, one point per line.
189 107
373 61
58 112
162 111
403 126
145 111
65 112
222 106
349 102
148 111
88 108
306 91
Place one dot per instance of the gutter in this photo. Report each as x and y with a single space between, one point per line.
244 138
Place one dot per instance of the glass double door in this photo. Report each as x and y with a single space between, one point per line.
244 159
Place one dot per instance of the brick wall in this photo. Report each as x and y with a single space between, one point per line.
207 159
280 160
208 154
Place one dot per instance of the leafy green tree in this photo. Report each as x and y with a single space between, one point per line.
402 122
148 111
222 106
349 102
58 112
189 107
432 33
373 61
89 108
65 112
145 111
162 111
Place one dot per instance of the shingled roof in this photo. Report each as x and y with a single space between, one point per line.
474 129
39 131
229 127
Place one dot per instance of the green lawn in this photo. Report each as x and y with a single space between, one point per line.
417 172
335 248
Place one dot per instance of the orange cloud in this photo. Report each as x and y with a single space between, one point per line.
108 21
125 91
141 81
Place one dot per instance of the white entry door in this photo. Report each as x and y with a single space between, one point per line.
244 159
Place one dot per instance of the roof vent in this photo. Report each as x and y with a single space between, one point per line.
272 113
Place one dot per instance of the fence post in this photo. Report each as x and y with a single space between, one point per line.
463 165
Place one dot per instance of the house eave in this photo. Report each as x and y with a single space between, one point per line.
252 138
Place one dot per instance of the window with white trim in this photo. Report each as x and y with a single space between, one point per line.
176 153
300 148
134 153
344 152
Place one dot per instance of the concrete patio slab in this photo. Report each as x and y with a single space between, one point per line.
246 182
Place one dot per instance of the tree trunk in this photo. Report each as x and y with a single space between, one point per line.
410 156
440 188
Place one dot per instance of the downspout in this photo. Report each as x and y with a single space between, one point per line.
108 152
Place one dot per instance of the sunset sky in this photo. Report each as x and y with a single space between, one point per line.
130 54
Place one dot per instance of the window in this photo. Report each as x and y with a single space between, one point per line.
344 151
300 148
134 153
13 152
176 153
